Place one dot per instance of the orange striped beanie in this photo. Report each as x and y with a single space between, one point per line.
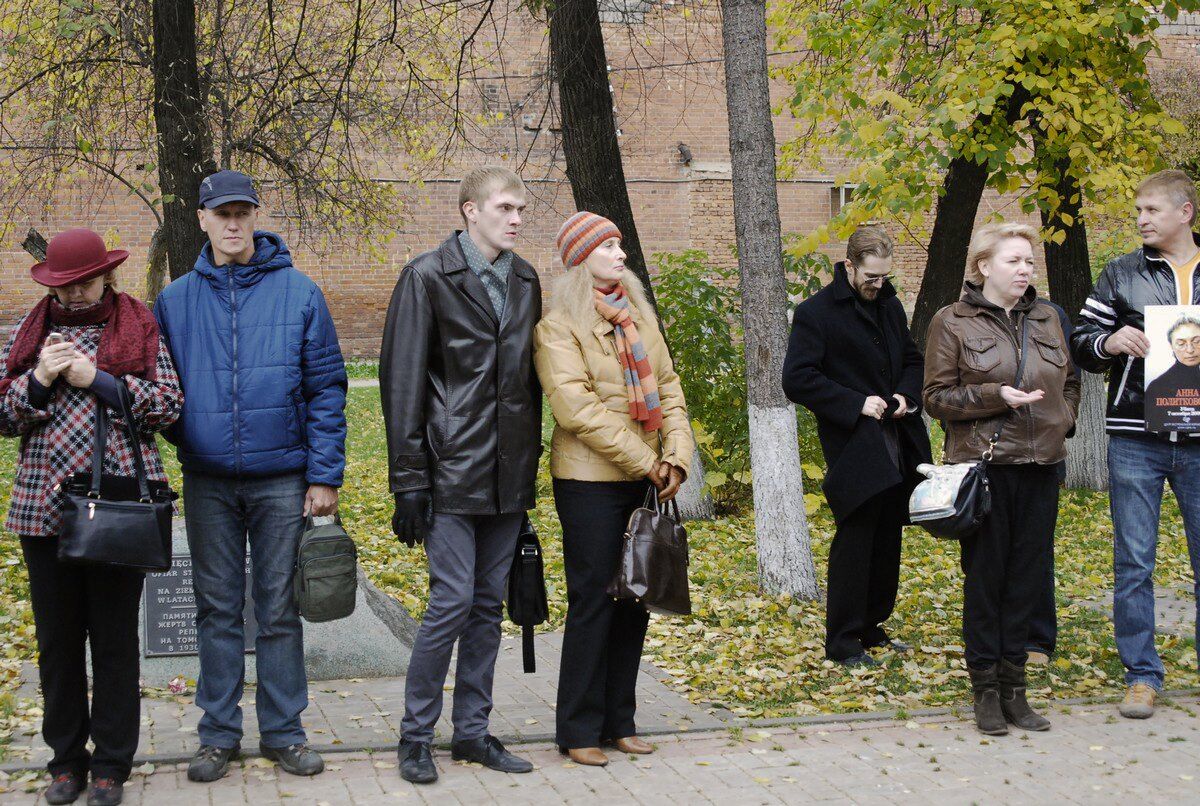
581 234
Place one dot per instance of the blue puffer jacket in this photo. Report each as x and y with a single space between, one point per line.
263 376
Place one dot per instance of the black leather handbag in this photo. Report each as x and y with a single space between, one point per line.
527 605
959 516
654 559
116 520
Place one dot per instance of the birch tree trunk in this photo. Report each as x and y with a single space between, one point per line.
1087 451
785 563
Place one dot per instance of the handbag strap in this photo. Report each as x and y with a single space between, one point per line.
1023 352
100 445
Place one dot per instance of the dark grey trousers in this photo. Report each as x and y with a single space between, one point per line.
469 559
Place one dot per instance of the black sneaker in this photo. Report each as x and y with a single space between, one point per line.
297 759
105 792
860 660
211 762
895 645
65 788
416 762
489 752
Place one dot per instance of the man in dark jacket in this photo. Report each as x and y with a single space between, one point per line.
1110 337
462 408
852 362
262 441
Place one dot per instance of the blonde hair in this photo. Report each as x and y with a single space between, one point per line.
987 239
481 183
869 240
1177 187
574 297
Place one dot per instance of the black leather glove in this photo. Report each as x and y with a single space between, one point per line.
414 514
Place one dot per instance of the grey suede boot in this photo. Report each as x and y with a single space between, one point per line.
986 687
1012 699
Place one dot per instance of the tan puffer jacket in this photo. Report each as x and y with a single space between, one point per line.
594 437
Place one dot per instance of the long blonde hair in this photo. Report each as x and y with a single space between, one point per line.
573 296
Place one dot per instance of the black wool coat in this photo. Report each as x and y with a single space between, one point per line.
839 355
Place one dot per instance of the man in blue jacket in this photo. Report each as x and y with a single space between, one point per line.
262 444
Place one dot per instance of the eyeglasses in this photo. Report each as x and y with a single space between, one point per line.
876 279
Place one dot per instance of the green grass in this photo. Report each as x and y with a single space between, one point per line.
757 655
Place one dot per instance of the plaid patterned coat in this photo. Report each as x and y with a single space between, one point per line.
57 440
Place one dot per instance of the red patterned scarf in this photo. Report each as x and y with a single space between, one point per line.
644 405
129 345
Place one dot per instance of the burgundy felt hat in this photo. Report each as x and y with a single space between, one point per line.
75 256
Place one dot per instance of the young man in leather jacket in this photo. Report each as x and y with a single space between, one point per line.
462 408
1110 338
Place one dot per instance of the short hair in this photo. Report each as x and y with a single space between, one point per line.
1183 321
869 240
1176 185
481 183
986 240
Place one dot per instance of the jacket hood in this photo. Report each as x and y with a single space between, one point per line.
972 297
270 254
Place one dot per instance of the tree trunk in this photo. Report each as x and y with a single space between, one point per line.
1069 277
156 266
785 563
184 145
594 165
954 222
589 130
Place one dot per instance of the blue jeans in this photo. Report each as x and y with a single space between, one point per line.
1137 469
221 513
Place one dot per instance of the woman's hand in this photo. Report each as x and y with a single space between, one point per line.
52 360
1015 398
80 371
667 478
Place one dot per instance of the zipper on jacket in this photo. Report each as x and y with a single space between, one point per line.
237 436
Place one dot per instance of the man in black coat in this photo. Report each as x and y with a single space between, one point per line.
463 412
851 361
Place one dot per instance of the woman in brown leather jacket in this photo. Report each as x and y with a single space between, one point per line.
972 353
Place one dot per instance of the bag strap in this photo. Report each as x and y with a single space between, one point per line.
528 662
1023 352
100 445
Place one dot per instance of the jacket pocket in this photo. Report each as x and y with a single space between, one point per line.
981 353
1051 350
300 411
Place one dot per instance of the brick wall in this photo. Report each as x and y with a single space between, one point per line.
667 85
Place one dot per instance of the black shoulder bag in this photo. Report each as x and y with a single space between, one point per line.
116 520
527 605
954 500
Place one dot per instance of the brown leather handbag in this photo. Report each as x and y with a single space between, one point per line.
654 559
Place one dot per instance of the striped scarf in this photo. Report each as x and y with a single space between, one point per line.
644 406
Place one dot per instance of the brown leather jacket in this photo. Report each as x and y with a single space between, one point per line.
971 351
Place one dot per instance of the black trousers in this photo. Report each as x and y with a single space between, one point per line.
864 573
1007 564
74 604
602 642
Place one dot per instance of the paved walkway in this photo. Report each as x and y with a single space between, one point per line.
366 713
1090 756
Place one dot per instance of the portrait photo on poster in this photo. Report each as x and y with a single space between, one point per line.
1173 368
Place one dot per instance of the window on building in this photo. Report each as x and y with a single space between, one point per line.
839 197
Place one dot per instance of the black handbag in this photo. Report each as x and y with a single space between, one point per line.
117 520
527 605
951 513
654 559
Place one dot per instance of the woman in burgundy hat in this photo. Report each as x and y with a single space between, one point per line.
72 352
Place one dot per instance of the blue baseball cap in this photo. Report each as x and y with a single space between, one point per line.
227 186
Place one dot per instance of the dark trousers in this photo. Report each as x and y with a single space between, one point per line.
1006 563
864 572
73 605
602 642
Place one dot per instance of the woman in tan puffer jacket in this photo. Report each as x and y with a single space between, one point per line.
621 425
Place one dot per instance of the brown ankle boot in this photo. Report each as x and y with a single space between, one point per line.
588 756
1012 699
632 744
985 684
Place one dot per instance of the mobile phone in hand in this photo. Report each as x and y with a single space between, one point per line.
55 338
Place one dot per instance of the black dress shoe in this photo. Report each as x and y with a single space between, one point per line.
489 752
859 660
105 792
895 645
416 762
65 788
297 759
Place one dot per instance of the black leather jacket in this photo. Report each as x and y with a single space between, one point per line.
1126 286
461 401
